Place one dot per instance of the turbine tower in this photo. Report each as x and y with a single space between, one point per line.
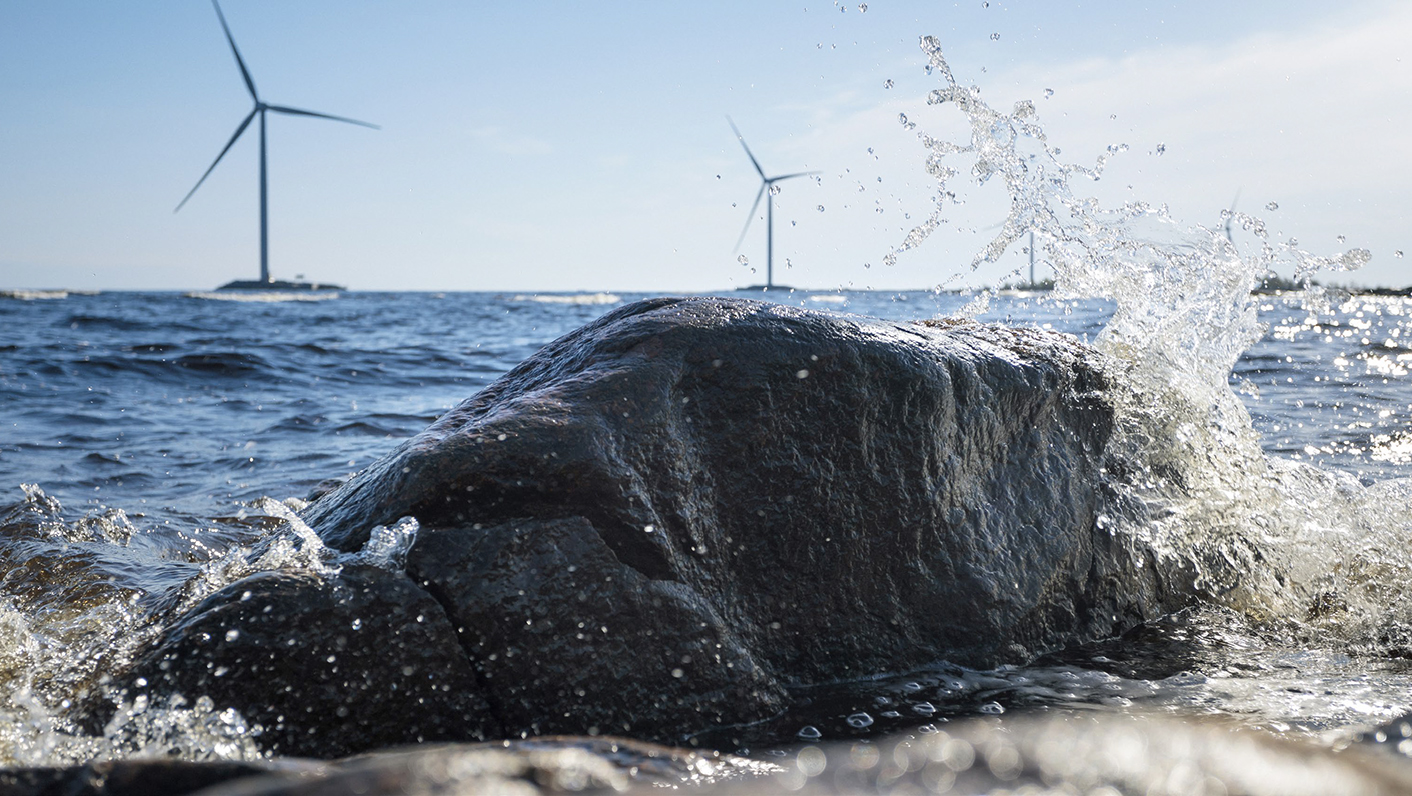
766 186
1230 217
260 109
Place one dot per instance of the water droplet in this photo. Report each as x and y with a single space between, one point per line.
994 708
232 635
887 84
1273 206
1161 149
774 190
863 7
743 260
718 176
677 673
925 708
1049 92
802 373
821 208
902 117
1397 253
357 624
1113 116
860 720
985 5
1342 239
810 731
995 37
649 528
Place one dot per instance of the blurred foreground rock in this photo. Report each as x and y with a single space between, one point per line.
663 521
1078 753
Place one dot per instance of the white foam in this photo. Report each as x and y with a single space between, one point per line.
271 297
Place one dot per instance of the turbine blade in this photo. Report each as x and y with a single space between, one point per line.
748 153
796 174
229 144
751 217
245 73
298 112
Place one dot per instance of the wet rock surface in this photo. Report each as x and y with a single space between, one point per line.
325 666
662 522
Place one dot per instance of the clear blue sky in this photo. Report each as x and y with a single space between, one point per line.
584 146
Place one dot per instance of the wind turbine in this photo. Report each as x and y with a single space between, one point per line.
766 186
260 109
1230 217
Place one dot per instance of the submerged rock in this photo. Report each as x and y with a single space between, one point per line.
662 521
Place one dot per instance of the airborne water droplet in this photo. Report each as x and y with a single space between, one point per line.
863 8
1273 206
1397 253
743 260
1049 92
887 83
821 208
774 190
1161 148
810 731
860 720
995 37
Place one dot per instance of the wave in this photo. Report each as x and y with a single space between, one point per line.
34 295
262 297
569 298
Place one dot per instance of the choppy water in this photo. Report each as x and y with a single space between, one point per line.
156 445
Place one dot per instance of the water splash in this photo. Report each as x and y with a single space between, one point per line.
1192 490
75 606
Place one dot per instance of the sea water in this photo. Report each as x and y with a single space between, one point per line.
157 446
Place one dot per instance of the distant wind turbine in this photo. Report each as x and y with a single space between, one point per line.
260 108
1230 217
766 184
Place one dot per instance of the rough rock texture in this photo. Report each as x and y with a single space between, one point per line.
664 520
327 667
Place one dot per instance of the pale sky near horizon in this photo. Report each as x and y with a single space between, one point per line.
576 146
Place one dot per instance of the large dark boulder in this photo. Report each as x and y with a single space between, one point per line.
662 521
